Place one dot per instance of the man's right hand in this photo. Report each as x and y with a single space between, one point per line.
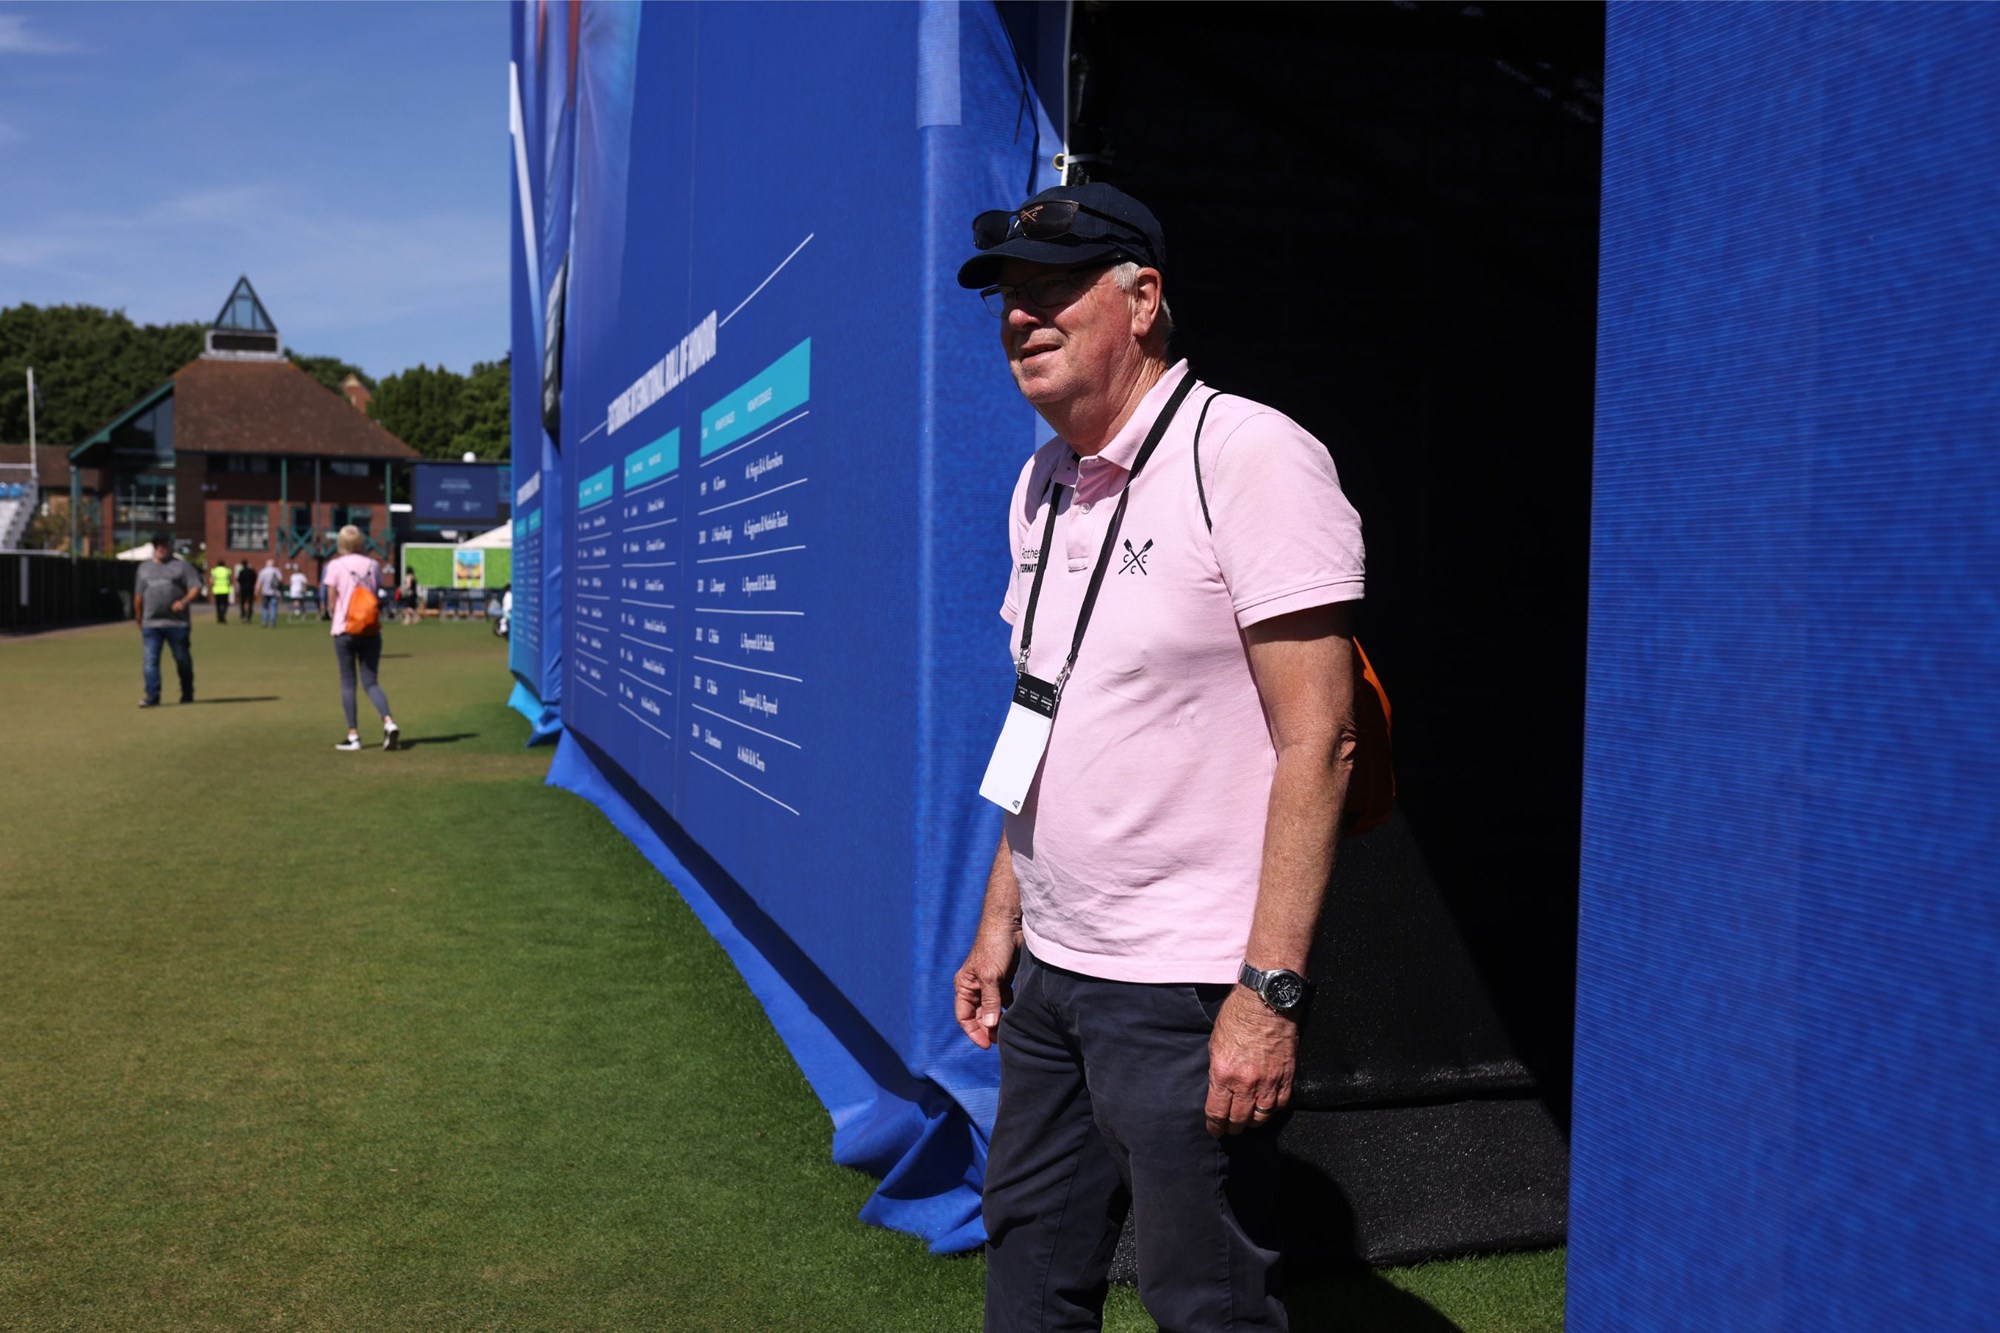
984 983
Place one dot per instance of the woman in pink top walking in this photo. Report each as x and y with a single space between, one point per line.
357 632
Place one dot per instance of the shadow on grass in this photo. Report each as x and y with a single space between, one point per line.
437 740
1360 1303
1331 1289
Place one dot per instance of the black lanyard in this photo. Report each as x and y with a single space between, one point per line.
1166 416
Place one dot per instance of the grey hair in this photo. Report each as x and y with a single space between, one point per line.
1126 275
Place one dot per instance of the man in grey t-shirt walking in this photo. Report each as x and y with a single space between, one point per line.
268 581
164 589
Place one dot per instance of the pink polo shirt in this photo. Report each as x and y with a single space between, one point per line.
343 575
1140 844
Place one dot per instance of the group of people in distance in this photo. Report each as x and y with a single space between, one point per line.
247 588
263 589
166 588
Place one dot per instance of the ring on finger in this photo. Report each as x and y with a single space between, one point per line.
1262 1110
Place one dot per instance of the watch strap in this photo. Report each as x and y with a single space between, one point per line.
1260 982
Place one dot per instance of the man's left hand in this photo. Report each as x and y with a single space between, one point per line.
1251 1058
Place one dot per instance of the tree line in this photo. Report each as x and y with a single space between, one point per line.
92 364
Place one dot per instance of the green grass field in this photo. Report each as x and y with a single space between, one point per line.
291 1038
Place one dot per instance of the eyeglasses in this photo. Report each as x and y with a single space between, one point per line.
1048 293
1045 221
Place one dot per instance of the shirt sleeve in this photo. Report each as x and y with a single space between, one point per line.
1285 535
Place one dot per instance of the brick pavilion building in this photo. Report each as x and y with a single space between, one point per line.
241 454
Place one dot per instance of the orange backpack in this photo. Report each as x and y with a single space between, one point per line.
1371 786
364 611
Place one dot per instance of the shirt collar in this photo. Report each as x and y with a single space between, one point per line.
1124 446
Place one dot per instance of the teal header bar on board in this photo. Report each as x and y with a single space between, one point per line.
656 460
535 521
766 396
594 489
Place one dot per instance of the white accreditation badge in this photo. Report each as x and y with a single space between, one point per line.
1017 757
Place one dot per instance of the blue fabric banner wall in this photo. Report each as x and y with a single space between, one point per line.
1788 1046
542 122
773 507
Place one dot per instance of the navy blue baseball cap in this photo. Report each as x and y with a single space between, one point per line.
1070 225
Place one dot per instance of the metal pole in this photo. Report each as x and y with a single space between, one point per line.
75 510
34 467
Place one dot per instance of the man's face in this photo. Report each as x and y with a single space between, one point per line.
162 553
1066 349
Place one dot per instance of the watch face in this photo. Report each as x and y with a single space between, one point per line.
1283 990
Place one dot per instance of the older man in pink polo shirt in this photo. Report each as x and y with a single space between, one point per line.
1173 770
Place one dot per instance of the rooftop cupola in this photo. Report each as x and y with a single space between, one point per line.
243 331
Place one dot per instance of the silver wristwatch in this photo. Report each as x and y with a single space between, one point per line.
1284 991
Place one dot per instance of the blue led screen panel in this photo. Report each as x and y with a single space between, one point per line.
1788 1046
466 494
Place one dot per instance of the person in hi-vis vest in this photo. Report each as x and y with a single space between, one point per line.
219 583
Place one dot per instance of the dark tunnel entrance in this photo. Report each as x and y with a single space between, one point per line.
1382 219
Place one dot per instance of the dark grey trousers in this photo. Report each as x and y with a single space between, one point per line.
365 651
1102 1085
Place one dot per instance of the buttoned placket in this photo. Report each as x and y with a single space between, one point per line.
1095 484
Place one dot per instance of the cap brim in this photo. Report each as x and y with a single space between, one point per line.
983 269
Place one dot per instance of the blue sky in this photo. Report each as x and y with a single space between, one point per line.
352 159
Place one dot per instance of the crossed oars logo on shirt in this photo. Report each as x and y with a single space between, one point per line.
1135 559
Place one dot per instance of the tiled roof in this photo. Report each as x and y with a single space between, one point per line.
271 407
51 459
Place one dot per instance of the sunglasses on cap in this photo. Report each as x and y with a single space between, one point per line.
1045 221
